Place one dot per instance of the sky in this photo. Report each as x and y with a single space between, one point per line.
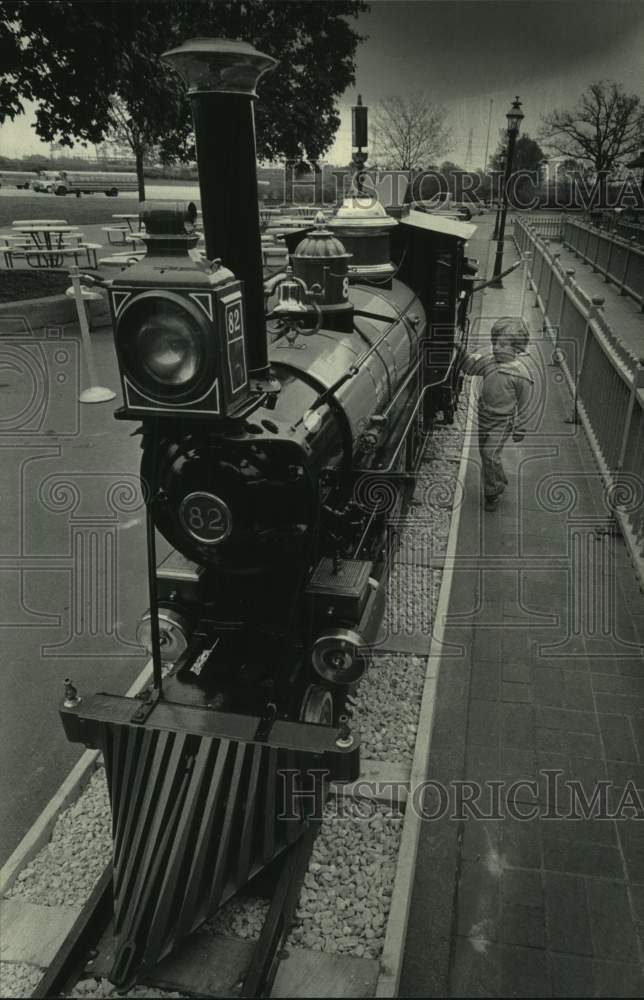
465 53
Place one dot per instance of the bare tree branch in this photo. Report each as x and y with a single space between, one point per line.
606 125
410 132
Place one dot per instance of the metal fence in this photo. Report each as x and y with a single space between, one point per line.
614 222
605 379
619 260
549 226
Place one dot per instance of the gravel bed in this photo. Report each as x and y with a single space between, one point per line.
241 917
347 890
387 706
445 445
18 979
103 988
412 597
64 872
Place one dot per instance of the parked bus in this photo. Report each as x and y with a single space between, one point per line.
45 180
18 178
80 182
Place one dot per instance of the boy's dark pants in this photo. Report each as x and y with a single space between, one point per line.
492 436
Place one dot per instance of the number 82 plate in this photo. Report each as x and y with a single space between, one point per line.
205 517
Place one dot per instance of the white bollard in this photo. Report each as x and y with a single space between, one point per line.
95 393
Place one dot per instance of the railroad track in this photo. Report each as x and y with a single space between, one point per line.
218 964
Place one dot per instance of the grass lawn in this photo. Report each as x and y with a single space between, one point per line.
85 211
78 211
20 284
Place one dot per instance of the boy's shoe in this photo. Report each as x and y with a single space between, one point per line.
491 503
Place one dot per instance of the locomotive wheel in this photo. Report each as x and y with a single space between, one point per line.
317 705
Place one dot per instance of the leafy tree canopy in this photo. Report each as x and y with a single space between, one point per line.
94 69
527 155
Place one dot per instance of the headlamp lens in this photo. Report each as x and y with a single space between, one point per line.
169 348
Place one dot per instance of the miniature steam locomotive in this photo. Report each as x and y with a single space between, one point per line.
272 473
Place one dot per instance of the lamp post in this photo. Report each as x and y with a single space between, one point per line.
514 116
359 140
499 202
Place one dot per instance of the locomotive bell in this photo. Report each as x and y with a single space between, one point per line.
321 259
290 297
179 326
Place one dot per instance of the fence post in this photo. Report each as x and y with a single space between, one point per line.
557 356
622 284
555 258
637 383
597 238
526 257
611 244
564 235
584 255
533 272
573 231
597 303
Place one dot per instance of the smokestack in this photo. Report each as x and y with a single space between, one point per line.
221 76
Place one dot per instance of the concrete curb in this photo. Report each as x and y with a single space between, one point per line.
393 955
26 316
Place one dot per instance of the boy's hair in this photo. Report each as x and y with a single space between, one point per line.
516 327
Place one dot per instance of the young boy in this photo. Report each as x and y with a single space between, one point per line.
503 401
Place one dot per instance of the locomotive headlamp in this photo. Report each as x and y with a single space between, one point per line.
170 349
336 656
179 326
164 347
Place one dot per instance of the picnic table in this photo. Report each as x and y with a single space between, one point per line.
47 245
48 236
40 257
48 242
39 222
119 236
132 220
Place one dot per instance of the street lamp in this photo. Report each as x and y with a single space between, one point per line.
359 140
514 116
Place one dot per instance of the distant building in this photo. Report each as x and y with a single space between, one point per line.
112 150
57 150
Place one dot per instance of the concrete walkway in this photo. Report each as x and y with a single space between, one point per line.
541 683
67 470
623 314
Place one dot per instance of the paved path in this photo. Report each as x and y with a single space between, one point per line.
622 313
543 672
66 471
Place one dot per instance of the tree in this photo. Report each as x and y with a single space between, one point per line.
528 155
95 66
605 126
527 159
410 131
